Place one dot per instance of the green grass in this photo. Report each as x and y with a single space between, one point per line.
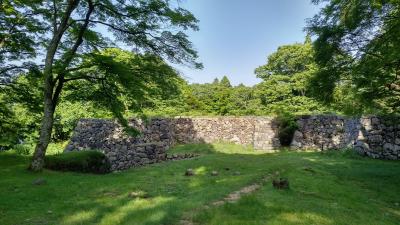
333 188
80 161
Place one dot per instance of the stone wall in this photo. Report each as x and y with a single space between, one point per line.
259 132
372 136
325 132
379 138
122 150
157 135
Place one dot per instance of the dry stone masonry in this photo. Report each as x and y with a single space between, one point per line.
325 132
259 132
157 135
122 150
372 136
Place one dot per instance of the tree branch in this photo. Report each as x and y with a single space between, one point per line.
88 78
53 46
116 28
68 56
57 92
55 15
9 68
77 68
130 15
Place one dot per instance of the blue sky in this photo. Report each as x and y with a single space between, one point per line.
236 36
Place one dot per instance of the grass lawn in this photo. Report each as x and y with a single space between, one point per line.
325 188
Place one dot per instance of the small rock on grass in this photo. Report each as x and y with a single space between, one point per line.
189 172
214 173
138 194
281 183
39 181
309 169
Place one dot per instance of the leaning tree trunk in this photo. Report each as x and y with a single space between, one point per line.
50 95
45 130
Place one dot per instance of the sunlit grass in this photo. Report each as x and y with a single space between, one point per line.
220 147
325 188
79 217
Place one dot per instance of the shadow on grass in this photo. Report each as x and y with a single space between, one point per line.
326 188
72 198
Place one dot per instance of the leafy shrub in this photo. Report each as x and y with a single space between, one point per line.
68 114
23 149
55 148
83 161
287 127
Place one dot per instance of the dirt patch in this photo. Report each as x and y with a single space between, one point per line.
186 222
234 196
237 195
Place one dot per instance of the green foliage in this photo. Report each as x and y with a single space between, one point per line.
120 81
22 100
289 60
68 114
217 98
214 98
224 82
359 41
287 126
245 101
133 82
8 126
82 161
22 149
287 76
17 35
27 28
28 147
79 59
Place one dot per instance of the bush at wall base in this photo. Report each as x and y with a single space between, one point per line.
82 161
287 127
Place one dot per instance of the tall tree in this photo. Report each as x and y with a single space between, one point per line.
243 101
286 76
64 35
359 41
225 82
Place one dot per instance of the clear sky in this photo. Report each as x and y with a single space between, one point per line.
236 36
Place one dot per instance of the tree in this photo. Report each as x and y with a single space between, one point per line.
359 41
205 95
8 126
243 101
287 77
66 33
225 82
213 98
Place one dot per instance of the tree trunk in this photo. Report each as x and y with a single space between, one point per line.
45 130
50 98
